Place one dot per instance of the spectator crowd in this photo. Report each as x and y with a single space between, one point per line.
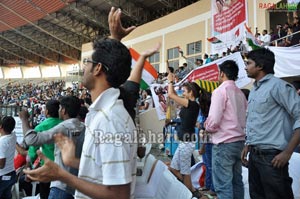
82 157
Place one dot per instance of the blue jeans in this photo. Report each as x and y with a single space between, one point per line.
56 193
265 181
227 170
207 159
6 185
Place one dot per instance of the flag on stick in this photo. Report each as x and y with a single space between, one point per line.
251 40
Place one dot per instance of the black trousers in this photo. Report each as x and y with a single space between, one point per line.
266 181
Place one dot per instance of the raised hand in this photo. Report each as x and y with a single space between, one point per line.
147 53
171 76
136 72
117 31
23 114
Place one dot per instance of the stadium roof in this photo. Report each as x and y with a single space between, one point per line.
47 32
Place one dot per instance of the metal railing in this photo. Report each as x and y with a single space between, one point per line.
282 38
10 110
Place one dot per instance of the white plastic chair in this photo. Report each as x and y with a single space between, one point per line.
163 185
149 162
34 184
141 162
149 189
171 188
33 197
16 187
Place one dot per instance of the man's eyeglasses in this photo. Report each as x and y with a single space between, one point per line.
86 61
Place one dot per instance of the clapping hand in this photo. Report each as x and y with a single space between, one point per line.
67 148
50 171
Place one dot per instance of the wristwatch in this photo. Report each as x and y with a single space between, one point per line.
171 82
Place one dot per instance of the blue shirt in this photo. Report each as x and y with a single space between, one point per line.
273 113
201 119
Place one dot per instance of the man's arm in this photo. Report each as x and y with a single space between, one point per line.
32 138
3 149
32 152
289 99
97 190
118 32
282 158
217 107
51 172
24 116
21 150
171 92
136 72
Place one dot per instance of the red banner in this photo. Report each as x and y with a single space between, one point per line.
228 19
210 73
229 16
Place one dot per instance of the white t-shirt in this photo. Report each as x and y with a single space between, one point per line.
7 151
109 152
265 39
149 101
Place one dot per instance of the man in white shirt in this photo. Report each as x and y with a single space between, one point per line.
265 38
107 167
7 152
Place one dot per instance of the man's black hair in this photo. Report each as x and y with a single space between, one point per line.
82 112
116 57
230 69
263 58
171 69
52 107
8 124
71 104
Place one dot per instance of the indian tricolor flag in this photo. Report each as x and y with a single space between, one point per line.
214 40
149 73
251 40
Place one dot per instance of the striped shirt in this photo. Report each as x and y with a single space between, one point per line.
109 152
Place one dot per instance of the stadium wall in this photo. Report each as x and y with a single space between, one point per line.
188 25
